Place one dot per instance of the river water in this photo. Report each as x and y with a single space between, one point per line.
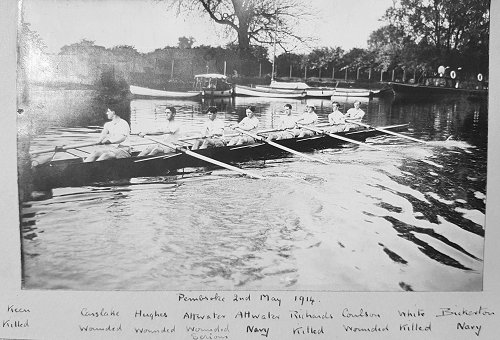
371 221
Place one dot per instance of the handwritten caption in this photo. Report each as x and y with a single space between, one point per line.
263 315
17 317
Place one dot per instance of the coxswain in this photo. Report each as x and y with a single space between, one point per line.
114 137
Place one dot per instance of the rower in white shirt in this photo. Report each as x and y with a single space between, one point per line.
336 119
170 131
287 124
307 118
354 113
249 123
114 135
212 132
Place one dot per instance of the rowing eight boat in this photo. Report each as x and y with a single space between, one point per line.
74 172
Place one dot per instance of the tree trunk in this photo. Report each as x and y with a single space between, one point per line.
244 50
243 39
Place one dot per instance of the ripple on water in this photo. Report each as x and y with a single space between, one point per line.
372 220
356 225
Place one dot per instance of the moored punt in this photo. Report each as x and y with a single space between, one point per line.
206 85
349 92
74 172
438 87
141 92
289 85
318 92
241 90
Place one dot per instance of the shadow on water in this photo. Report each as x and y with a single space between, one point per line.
215 230
445 118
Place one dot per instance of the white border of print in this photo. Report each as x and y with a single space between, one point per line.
56 314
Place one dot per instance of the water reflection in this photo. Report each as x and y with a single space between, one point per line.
436 120
372 221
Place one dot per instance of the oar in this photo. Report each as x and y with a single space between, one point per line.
226 136
64 148
233 134
276 145
386 131
204 158
340 137
202 137
360 143
155 157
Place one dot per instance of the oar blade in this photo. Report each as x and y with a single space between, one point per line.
279 146
205 158
221 164
387 131
314 159
345 139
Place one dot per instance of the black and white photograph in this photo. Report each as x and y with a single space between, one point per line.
252 144
275 152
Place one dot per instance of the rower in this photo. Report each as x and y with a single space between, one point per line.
114 136
170 131
249 123
336 119
286 124
212 132
354 113
307 118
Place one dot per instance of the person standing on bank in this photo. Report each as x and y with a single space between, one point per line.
249 123
307 118
287 126
212 132
114 135
170 131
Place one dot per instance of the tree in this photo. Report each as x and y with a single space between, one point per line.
356 57
125 51
85 46
253 21
386 45
321 58
455 33
286 60
185 42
